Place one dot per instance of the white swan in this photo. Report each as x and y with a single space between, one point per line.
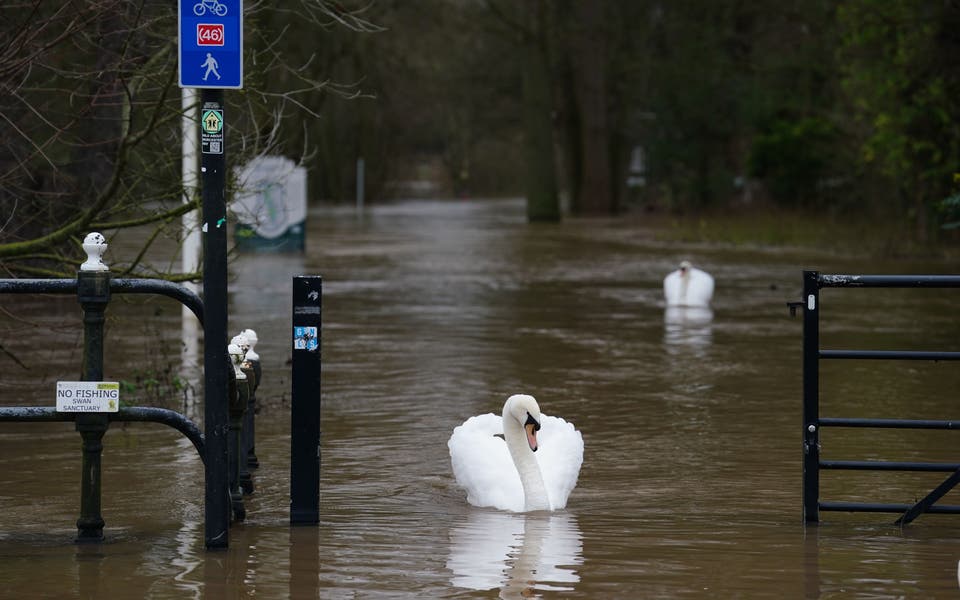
534 466
688 286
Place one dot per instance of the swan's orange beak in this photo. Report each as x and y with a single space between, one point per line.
531 429
531 426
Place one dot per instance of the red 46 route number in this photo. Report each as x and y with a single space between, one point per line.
210 34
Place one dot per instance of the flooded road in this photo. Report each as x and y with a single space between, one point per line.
436 311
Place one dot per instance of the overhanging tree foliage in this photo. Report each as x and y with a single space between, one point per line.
816 104
90 119
900 71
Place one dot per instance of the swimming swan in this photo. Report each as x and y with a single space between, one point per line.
688 286
523 461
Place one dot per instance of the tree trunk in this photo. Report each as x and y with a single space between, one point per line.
541 173
588 54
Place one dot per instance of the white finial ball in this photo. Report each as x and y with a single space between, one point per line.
94 237
242 341
236 357
251 336
94 245
252 339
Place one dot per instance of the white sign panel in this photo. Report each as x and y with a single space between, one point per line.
272 195
88 396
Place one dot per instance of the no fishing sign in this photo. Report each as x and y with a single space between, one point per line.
88 396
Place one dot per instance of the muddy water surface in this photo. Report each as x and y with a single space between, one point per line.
435 311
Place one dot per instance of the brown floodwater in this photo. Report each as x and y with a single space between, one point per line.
438 310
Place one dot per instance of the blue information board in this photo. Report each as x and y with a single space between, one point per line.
211 43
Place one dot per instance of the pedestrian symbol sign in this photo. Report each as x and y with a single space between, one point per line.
211 43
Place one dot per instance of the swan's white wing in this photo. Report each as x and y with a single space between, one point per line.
671 288
700 290
560 454
482 465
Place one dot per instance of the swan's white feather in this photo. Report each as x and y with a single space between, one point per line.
560 455
697 292
483 467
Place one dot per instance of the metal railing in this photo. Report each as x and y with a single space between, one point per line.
813 282
93 289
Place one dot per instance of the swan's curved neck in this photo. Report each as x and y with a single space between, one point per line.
534 490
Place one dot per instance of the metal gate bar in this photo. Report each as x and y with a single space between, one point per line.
813 281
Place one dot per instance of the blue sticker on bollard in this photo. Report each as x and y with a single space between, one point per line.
305 338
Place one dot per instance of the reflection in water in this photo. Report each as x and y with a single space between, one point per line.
191 370
518 553
304 562
90 558
687 327
811 562
185 561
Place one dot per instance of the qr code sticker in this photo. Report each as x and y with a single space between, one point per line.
215 148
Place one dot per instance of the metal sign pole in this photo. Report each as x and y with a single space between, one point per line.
210 49
216 362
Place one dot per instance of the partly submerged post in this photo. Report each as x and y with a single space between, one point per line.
811 399
215 361
93 293
249 424
238 404
199 68
305 402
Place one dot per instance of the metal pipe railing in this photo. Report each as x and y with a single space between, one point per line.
887 465
886 508
185 296
888 355
147 414
889 423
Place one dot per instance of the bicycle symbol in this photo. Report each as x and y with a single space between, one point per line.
214 6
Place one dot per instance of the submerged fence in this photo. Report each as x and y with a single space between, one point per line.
227 444
813 422
232 409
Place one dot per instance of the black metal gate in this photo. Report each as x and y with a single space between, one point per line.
813 282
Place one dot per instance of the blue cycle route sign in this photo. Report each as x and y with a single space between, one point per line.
211 43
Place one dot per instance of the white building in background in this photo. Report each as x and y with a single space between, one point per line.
271 205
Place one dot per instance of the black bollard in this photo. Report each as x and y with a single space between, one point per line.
93 293
305 402
246 481
249 424
237 406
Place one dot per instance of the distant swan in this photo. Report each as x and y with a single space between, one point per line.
504 472
688 286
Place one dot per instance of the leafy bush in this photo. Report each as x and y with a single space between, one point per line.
793 158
